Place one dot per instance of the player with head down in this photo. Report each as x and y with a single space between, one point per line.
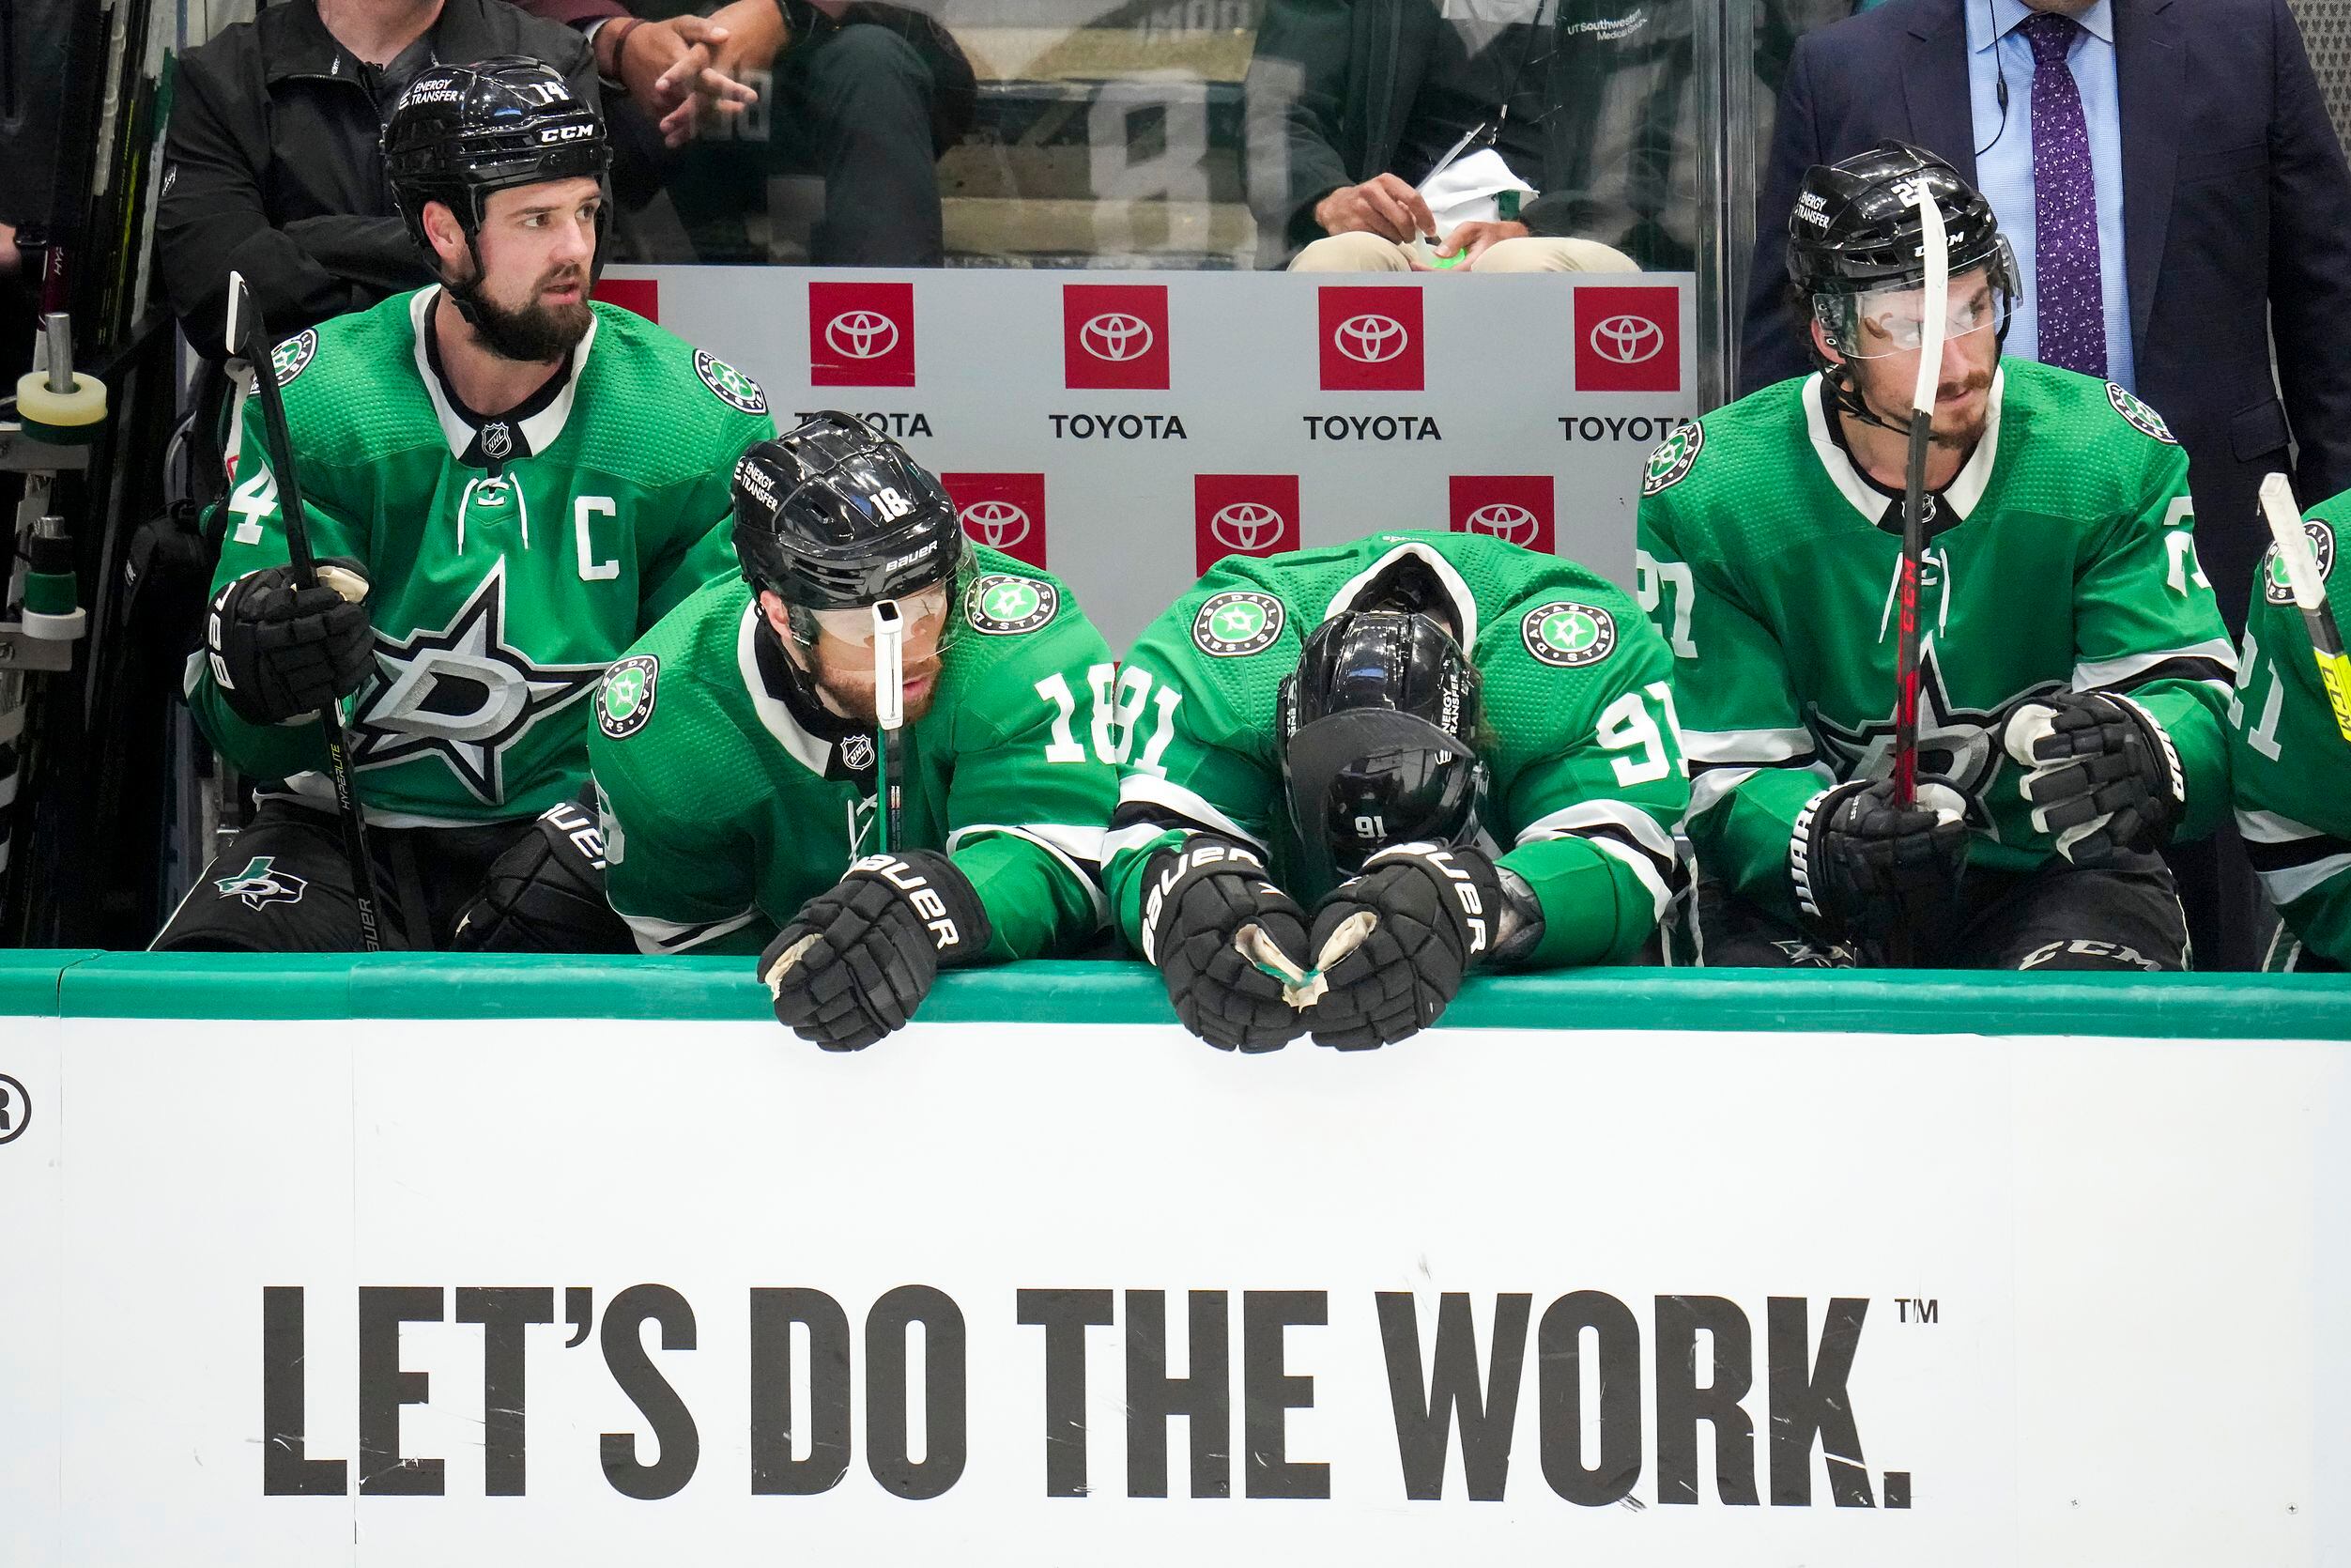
2072 663
474 457
1353 775
747 759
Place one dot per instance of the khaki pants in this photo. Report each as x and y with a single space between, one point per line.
1360 251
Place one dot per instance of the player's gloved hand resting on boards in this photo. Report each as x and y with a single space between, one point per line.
1203 901
1394 944
2103 775
1865 869
859 957
279 652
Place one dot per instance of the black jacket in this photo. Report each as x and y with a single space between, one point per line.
271 164
1330 90
2237 229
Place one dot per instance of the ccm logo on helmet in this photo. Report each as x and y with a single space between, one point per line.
566 132
919 893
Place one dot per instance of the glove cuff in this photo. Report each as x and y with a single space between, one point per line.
942 897
2177 780
1804 872
1170 871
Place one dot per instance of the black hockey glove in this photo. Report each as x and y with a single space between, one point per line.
1865 871
859 957
279 652
545 893
2102 774
1203 897
1431 912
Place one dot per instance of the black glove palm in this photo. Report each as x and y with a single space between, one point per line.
279 652
1201 898
1865 871
1434 912
860 957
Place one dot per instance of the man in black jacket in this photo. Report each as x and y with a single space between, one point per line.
1353 103
271 164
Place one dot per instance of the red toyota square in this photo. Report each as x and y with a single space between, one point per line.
1115 336
861 334
1628 339
1515 507
1002 511
641 295
1244 513
1371 338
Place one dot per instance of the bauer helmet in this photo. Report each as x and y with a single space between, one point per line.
1378 728
833 515
460 132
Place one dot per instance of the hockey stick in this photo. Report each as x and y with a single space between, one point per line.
2309 595
1936 304
889 712
248 340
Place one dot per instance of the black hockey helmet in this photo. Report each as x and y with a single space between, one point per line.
1378 726
832 515
460 132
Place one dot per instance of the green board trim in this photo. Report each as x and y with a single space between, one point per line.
81 984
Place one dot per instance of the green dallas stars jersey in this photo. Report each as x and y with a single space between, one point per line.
726 807
1587 772
498 599
2063 557
2292 766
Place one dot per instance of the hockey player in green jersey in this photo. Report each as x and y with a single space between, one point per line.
2073 663
741 766
515 483
1350 775
2292 766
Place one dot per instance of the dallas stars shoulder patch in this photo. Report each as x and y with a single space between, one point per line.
1234 625
2139 416
625 700
293 357
733 388
1002 604
2275 587
1568 634
1669 465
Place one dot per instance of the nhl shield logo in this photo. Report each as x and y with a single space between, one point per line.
292 356
1567 635
2140 417
1233 625
1002 604
2275 585
734 389
258 884
1670 463
857 753
625 700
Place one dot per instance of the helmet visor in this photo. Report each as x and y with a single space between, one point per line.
1367 778
924 610
1881 323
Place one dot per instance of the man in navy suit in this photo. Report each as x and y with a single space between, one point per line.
2177 200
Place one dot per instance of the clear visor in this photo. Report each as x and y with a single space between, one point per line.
1889 321
922 611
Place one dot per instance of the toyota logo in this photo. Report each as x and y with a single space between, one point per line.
862 334
997 524
1245 525
1504 520
1371 339
1628 339
1116 337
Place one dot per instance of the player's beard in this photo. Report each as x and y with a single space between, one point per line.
852 690
1951 433
537 333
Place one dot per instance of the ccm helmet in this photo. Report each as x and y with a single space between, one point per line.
833 515
1378 726
460 132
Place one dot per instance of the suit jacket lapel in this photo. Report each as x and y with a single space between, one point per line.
2149 74
1934 87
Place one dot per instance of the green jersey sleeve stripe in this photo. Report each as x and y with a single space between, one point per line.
1604 813
656 937
1143 789
2097 674
1709 787
1077 850
1746 745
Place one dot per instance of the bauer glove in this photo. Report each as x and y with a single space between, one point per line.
1394 944
545 892
859 957
2102 774
1221 935
279 652
1864 870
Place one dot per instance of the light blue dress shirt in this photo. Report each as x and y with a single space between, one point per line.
2003 169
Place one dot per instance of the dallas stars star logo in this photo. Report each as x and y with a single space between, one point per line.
1960 747
462 693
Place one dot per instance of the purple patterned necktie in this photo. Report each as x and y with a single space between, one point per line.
2066 286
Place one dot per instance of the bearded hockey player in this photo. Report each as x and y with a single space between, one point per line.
1357 773
478 457
738 756
2073 662
2292 765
